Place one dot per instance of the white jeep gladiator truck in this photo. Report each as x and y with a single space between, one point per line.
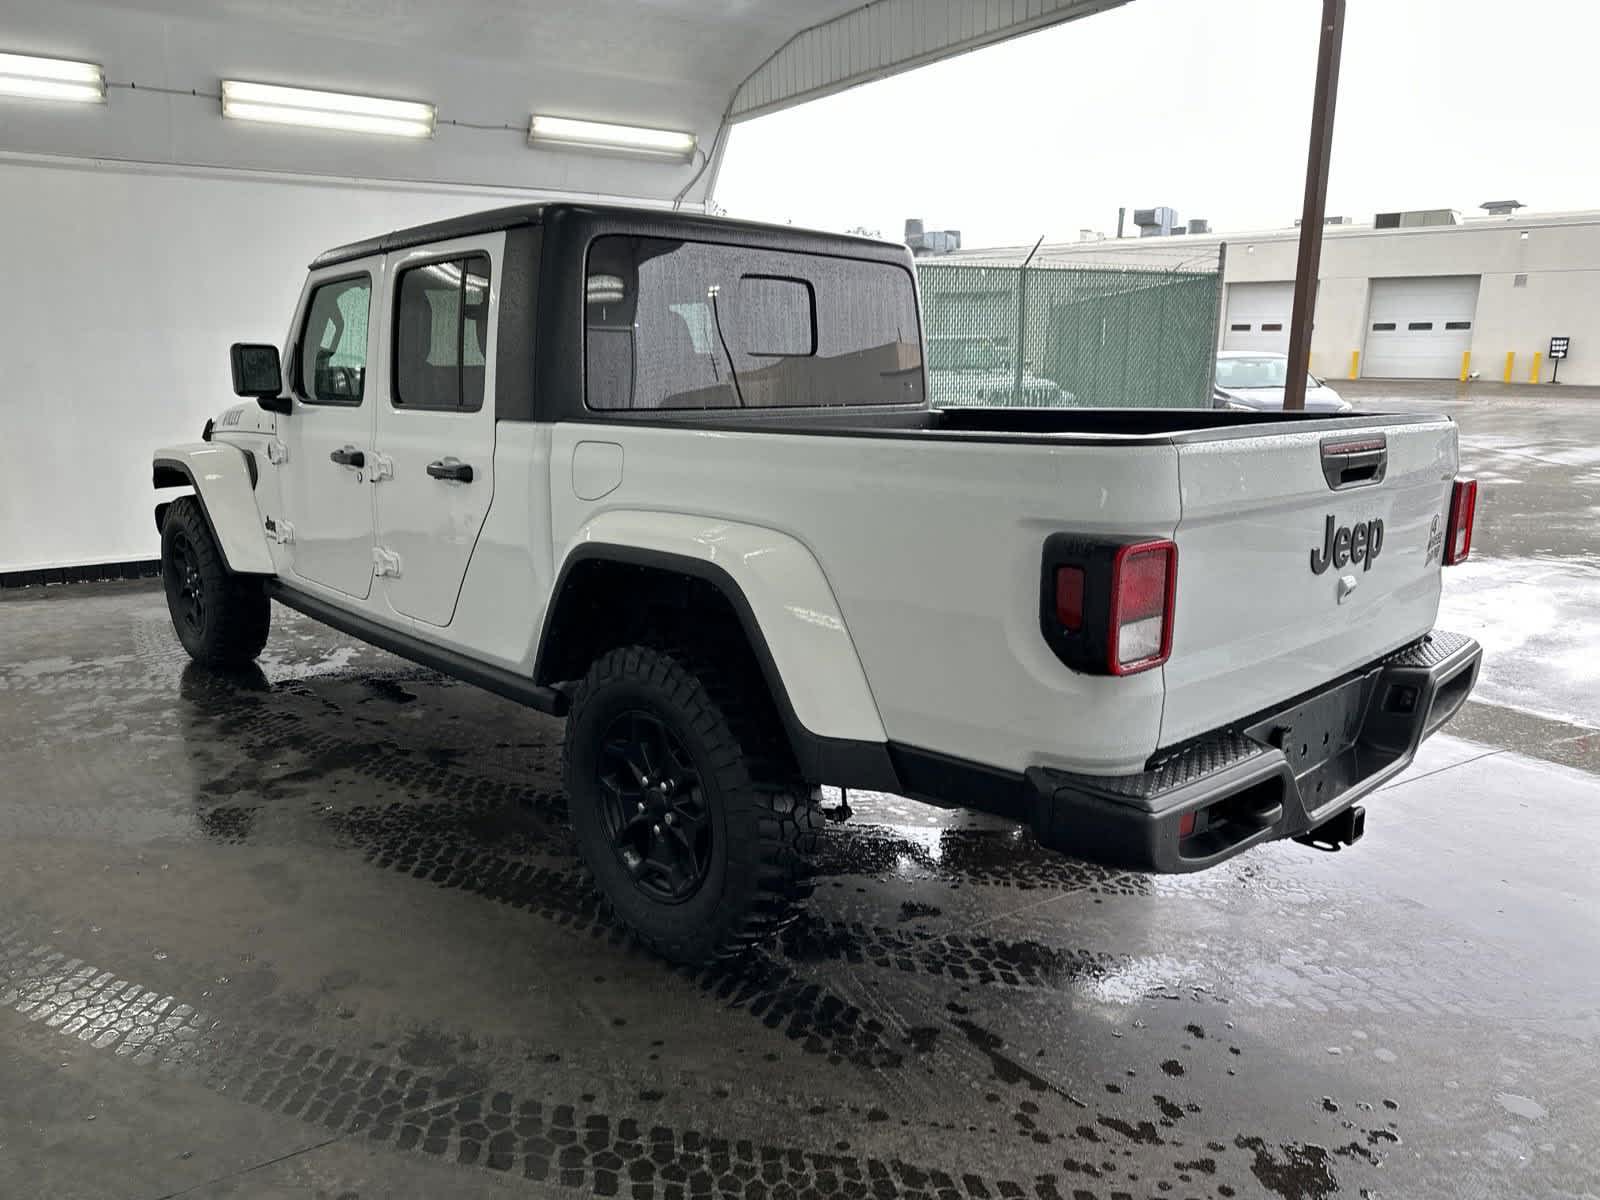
676 479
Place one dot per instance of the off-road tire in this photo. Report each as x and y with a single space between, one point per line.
765 821
229 626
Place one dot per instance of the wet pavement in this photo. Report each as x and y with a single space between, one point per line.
318 930
1530 593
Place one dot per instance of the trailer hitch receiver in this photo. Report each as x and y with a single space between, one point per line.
1337 832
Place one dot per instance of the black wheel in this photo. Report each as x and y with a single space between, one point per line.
653 807
221 618
697 835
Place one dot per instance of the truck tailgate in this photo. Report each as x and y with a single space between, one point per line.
1277 589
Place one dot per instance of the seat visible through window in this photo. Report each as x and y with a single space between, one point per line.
441 316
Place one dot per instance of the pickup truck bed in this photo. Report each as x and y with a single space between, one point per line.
1102 426
930 532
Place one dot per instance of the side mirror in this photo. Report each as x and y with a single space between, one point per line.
257 372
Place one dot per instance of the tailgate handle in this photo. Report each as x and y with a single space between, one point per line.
1352 462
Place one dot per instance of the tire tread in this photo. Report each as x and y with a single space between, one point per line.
767 881
239 612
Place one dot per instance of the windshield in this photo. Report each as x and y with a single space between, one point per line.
1264 372
966 354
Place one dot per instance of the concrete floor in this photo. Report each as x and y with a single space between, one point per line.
318 931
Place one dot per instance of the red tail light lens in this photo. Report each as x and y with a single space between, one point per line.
1143 581
1463 508
1069 598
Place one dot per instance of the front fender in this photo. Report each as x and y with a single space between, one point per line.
223 479
785 593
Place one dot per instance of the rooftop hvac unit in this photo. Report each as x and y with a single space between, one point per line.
1155 222
1199 225
1417 218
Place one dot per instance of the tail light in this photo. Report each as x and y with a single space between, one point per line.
1143 577
1069 598
1106 607
1463 508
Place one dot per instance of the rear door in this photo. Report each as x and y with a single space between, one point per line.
435 427
328 436
1296 564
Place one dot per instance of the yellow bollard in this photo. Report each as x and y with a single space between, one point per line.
1355 364
1511 363
1466 364
1538 355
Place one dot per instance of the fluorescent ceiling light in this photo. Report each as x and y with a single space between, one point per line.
326 110
610 139
51 79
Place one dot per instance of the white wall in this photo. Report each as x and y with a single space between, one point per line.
123 289
1553 303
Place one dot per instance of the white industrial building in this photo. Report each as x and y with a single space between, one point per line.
1438 300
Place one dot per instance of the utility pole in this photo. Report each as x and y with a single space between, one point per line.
1316 204
1022 318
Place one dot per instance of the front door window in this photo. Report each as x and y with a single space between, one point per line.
332 360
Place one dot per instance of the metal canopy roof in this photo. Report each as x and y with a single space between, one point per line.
695 65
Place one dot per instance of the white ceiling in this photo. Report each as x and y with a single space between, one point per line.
659 39
684 64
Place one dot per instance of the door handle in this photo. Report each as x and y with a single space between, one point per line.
348 456
449 468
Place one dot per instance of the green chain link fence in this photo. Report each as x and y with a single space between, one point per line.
1101 333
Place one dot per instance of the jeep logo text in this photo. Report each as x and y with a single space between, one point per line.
1358 543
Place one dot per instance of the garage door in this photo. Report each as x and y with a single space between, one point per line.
1258 317
1419 328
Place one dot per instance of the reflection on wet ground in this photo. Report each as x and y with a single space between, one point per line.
1528 591
333 903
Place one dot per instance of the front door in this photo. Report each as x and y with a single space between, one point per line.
326 497
435 431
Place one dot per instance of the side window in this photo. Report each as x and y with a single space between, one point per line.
651 337
441 334
331 361
673 324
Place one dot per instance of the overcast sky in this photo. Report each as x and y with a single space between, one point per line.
1203 105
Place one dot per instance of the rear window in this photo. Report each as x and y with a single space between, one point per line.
440 325
694 325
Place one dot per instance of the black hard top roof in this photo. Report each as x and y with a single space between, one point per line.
496 219
434 231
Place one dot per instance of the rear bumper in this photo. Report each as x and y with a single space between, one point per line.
1281 774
